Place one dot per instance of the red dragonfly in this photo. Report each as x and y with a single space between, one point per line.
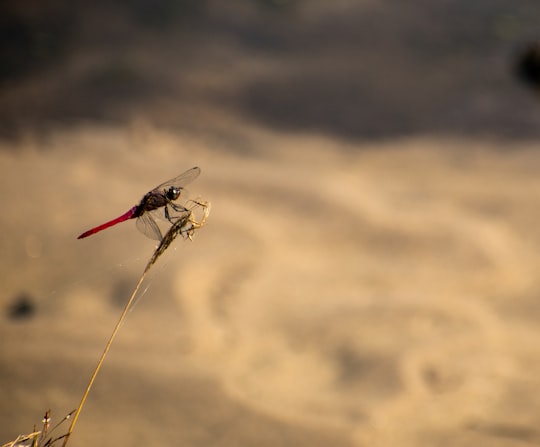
156 204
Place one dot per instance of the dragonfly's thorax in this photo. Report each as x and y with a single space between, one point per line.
151 201
157 199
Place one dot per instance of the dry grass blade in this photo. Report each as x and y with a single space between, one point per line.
185 226
41 438
22 439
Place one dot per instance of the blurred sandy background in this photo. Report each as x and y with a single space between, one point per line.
369 271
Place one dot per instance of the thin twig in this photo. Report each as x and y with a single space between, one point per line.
102 358
185 226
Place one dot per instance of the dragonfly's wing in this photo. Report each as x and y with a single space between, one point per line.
182 180
147 223
155 223
148 226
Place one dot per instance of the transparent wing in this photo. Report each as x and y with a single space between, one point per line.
182 180
154 224
148 226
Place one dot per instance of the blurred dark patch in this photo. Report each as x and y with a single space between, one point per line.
161 13
34 35
440 380
375 374
118 78
22 307
118 83
121 291
528 65
506 430
351 69
328 103
379 71
278 5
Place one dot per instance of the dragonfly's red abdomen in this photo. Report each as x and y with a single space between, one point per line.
127 215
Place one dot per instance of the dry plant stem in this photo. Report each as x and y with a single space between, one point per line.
22 438
184 226
105 351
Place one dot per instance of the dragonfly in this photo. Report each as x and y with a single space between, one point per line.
161 203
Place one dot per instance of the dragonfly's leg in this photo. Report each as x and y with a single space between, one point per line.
177 208
167 215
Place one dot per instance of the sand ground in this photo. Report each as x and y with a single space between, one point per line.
382 294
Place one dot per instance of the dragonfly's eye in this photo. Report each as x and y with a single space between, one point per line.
173 193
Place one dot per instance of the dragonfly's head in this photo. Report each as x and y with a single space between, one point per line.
173 193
